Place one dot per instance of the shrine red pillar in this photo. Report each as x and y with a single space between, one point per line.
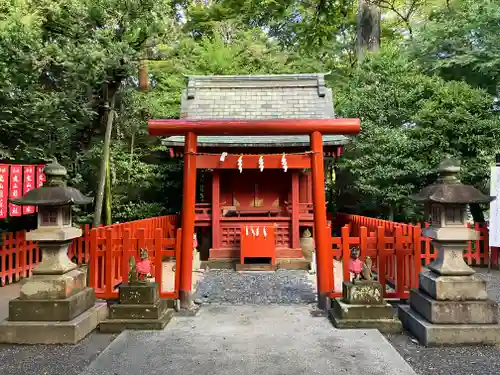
216 209
324 259
188 218
295 210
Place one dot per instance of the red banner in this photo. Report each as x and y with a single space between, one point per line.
28 184
40 176
4 189
15 189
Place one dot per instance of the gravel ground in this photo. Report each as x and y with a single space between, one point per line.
280 287
462 360
52 359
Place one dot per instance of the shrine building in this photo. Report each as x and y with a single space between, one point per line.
247 181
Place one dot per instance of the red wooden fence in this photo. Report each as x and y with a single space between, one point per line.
18 257
111 249
475 252
396 256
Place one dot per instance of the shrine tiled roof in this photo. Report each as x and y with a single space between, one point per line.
300 96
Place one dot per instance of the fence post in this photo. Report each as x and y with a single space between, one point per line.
93 259
108 263
158 264
127 245
346 254
381 256
417 252
400 262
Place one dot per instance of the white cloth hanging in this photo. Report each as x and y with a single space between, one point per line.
284 164
261 163
240 163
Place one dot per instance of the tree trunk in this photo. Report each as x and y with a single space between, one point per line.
368 29
104 161
109 219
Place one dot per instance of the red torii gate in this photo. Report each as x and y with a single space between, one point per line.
315 128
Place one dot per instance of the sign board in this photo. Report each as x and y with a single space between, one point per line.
494 226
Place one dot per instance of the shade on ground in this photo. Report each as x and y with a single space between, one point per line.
240 340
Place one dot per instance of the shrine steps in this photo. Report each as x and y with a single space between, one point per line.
283 263
231 253
256 267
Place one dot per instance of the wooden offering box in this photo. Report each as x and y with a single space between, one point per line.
258 242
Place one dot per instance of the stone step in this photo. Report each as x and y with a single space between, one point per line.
430 334
67 332
120 325
392 325
51 309
155 311
348 311
453 312
256 267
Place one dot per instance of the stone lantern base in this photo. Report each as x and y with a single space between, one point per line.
363 306
451 310
55 308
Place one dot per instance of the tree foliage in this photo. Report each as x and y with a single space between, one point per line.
430 91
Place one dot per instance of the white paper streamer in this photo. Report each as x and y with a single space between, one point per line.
246 231
257 232
223 156
253 231
264 232
240 164
261 163
284 163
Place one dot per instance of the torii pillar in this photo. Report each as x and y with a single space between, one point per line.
315 128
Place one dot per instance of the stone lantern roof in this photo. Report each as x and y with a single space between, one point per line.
449 189
54 191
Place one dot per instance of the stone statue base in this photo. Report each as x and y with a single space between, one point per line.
451 310
363 306
140 308
53 309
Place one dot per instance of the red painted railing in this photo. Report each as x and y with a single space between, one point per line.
18 257
398 251
396 256
475 252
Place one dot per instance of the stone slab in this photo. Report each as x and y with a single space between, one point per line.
256 267
120 325
363 293
430 334
155 311
53 286
139 294
249 340
52 309
452 288
383 325
453 312
53 332
348 311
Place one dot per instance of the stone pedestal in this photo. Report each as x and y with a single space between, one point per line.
53 309
451 310
140 308
363 306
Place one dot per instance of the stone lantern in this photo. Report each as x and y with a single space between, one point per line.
451 305
55 305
